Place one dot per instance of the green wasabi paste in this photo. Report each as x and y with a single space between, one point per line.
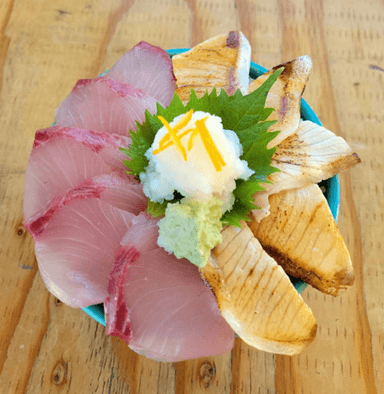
191 228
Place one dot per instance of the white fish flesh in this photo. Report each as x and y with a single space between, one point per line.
221 62
256 297
285 96
302 236
309 156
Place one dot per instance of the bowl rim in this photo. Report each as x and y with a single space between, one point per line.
332 184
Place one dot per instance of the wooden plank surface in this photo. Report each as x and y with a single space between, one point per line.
47 45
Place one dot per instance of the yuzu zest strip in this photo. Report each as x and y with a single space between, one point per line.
170 143
195 132
174 138
210 146
201 129
178 126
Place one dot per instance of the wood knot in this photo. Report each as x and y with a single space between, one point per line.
207 373
20 230
57 302
59 374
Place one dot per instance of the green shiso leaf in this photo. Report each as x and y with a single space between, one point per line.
245 111
142 140
245 115
156 209
175 108
243 201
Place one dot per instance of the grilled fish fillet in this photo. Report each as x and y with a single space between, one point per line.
309 156
256 297
285 96
302 236
222 62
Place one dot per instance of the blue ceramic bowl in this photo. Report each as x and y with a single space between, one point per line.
331 186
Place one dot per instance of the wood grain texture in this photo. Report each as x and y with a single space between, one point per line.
47 45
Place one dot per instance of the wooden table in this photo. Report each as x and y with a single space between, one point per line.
47 45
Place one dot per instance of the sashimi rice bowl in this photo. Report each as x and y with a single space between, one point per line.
180 198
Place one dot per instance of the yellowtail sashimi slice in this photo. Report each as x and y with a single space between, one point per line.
104 144
64 259
63 157
159 304
76 249
114 189
256 297
102 104
309 156
222 62
285 96
56 166
122 192
148 68
302 236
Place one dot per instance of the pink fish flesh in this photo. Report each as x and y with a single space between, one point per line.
169 314
148 68
62 158
58 165
116 190
104 144
76 248
95 140
103 104
93 241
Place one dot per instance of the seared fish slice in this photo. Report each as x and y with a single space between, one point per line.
256 297
222 62
285 96
302 236
309 156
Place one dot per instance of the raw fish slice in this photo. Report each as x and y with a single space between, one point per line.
222 62
256 297
145 235
309 156
102 104
122 192
76 250
117 317
307 242
285 96
58 165
118 191
169 313
148 68
104 144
